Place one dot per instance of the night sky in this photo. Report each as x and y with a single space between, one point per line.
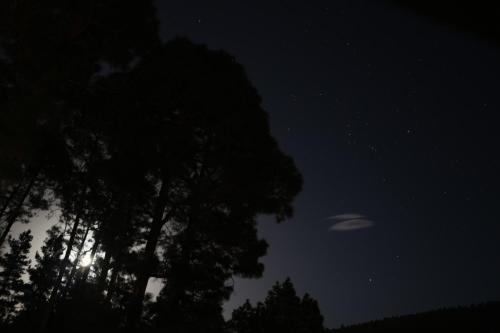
388 115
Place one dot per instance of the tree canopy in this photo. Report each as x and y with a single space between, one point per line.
155 157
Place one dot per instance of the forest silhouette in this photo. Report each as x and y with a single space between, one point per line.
155 157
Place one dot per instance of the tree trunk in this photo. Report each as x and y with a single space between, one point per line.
6 231
75 263
118 245
95 246
177 283
112 281
170 316
10 198
101 281
136 303
62 268
15 213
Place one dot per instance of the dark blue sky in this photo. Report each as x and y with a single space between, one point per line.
387 114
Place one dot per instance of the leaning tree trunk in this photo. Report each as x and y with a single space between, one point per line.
11 197
95 246
16 211
75 263
62 267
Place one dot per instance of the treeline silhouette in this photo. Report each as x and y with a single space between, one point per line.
155 157
481 318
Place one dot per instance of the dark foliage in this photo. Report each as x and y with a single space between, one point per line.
155 157
14 264
282 311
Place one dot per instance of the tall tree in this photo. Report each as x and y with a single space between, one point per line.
210 150
166 148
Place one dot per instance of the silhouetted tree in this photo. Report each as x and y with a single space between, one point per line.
248 318
43 275
49 55
282 311
159 153
13 264
214 161
24 198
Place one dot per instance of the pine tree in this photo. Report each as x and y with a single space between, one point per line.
282 311
42 276
13 264
247 318
215 163
166 149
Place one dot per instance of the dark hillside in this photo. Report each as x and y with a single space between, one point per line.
483 318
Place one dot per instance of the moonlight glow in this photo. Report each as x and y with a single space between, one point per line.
86 260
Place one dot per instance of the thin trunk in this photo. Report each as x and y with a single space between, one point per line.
175 288
62 269
6 231
112 281
65 261
15 213
86 271
111 236
136 303
10 198
101 281
125 213
75 263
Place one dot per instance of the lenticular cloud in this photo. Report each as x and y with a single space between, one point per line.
343 217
